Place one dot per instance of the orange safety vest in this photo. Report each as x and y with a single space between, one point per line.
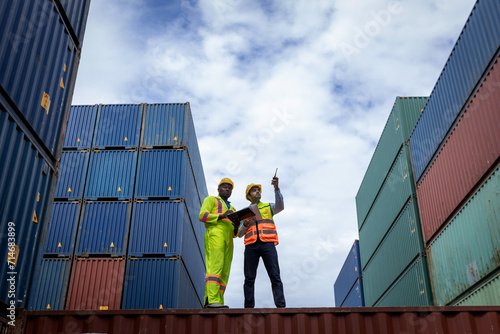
264 229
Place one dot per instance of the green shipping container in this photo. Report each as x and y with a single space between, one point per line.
411 289
468 248
397 130
394 194
487 293
402 244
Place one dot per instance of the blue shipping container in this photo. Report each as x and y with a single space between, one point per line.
26 182
355 298
163 228
76 11
80 130
103 228
37 59
349 274
111 174
50 285
72 174
62 228
158 283
167 174
118 125
171 124
474 50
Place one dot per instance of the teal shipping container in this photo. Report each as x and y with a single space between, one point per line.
400 247
412 288
468 248
397 130
394 194
50 285
487 293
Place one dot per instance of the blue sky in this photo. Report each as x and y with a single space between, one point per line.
305 86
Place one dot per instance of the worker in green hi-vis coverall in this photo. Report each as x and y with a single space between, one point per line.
218 243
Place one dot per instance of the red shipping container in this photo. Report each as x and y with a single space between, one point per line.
96 284
471 149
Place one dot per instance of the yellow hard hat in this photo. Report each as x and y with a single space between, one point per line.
226 180
250 186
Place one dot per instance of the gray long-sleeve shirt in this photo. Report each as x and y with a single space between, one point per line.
276 208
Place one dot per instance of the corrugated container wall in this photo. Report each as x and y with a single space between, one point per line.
388 320
172 125
118 125
111 175
80 130
474 50
62 228
72 174
468 249
51 284
411 289
158 283
392 198
470 150
39 56
402 119
399 248
101 182
356 297
25 183
96 284
487 293
348 275
103 229
163 228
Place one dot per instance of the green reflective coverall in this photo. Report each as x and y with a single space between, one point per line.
218 247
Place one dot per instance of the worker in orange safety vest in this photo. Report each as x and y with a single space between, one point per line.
260 240
218 243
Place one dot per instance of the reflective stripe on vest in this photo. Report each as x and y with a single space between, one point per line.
205 217
266 232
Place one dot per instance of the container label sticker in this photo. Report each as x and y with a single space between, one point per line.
125 139
112 244
59 245
48 307
119 189
46 102
165 245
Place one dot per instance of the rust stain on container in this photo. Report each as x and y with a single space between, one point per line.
96 283
423 320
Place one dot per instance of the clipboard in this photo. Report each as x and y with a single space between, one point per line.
245 213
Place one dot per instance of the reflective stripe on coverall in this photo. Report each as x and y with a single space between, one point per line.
218 248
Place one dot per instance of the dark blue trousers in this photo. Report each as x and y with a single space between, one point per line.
253 252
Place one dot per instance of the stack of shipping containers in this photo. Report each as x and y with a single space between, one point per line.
348 287
455 150
124 231
40 47
394 267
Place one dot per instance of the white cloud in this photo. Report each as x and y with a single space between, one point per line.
274 84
